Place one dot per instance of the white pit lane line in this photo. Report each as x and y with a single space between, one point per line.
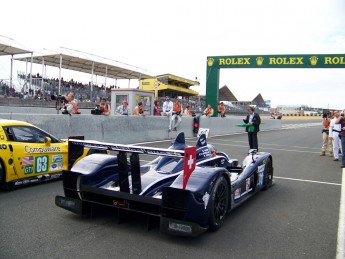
341 222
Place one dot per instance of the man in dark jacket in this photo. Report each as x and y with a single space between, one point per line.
253 119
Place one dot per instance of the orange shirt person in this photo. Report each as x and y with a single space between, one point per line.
208 112
221 109
104 106
138 110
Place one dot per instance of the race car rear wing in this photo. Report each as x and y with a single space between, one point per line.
76 144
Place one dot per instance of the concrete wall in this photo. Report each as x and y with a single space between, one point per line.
128 129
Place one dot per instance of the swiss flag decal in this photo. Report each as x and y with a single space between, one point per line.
189 164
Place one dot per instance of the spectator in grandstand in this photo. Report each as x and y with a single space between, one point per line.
176 115
326 141
156 109
221 110
104 107
334 131
341 122
208 112
123 109
138 110
168 107
253 120
187 112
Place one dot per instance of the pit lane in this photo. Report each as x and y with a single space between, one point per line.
293 219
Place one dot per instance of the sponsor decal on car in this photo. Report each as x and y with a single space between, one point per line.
27 160
41 163
3 146
57 158
28 169
30 150
237 193
205 198
57 163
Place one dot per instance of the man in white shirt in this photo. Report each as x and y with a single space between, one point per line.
168 107
334 130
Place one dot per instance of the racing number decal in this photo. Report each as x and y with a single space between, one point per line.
41 164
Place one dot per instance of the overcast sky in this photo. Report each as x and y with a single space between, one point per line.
177 36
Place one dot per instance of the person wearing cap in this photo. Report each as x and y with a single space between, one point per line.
138 110
123 109
168 107
341 122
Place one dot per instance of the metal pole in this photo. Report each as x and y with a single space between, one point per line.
11 71
93 63
26 73
60 74
42 87
30 86
129 82
106 74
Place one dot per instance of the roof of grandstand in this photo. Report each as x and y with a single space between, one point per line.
9 46
87 63
258 100
226 95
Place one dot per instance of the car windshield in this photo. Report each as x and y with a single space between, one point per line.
28 134
170 165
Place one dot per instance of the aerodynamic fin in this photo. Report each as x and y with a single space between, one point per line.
201 141
179 143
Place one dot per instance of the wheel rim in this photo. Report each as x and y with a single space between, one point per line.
220 202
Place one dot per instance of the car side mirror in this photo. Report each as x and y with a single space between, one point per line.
47 140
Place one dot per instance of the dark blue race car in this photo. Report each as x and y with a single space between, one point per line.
161 188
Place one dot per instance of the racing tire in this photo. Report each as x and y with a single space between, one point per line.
3 184
219 203
268 175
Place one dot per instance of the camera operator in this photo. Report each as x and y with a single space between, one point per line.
70 105
101 109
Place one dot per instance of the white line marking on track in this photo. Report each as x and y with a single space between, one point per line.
341 223
266 144
303 180
268 148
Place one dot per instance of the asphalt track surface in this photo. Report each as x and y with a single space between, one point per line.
296 218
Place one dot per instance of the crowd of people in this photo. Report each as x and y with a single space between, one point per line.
333 136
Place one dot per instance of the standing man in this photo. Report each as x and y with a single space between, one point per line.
253 119
334 131
326 142
341 122
168 107
176 117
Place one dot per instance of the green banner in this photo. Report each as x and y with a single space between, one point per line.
264 61
278 61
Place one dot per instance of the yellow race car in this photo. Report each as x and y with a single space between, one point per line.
28 154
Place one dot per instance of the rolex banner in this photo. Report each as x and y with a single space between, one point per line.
278 61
